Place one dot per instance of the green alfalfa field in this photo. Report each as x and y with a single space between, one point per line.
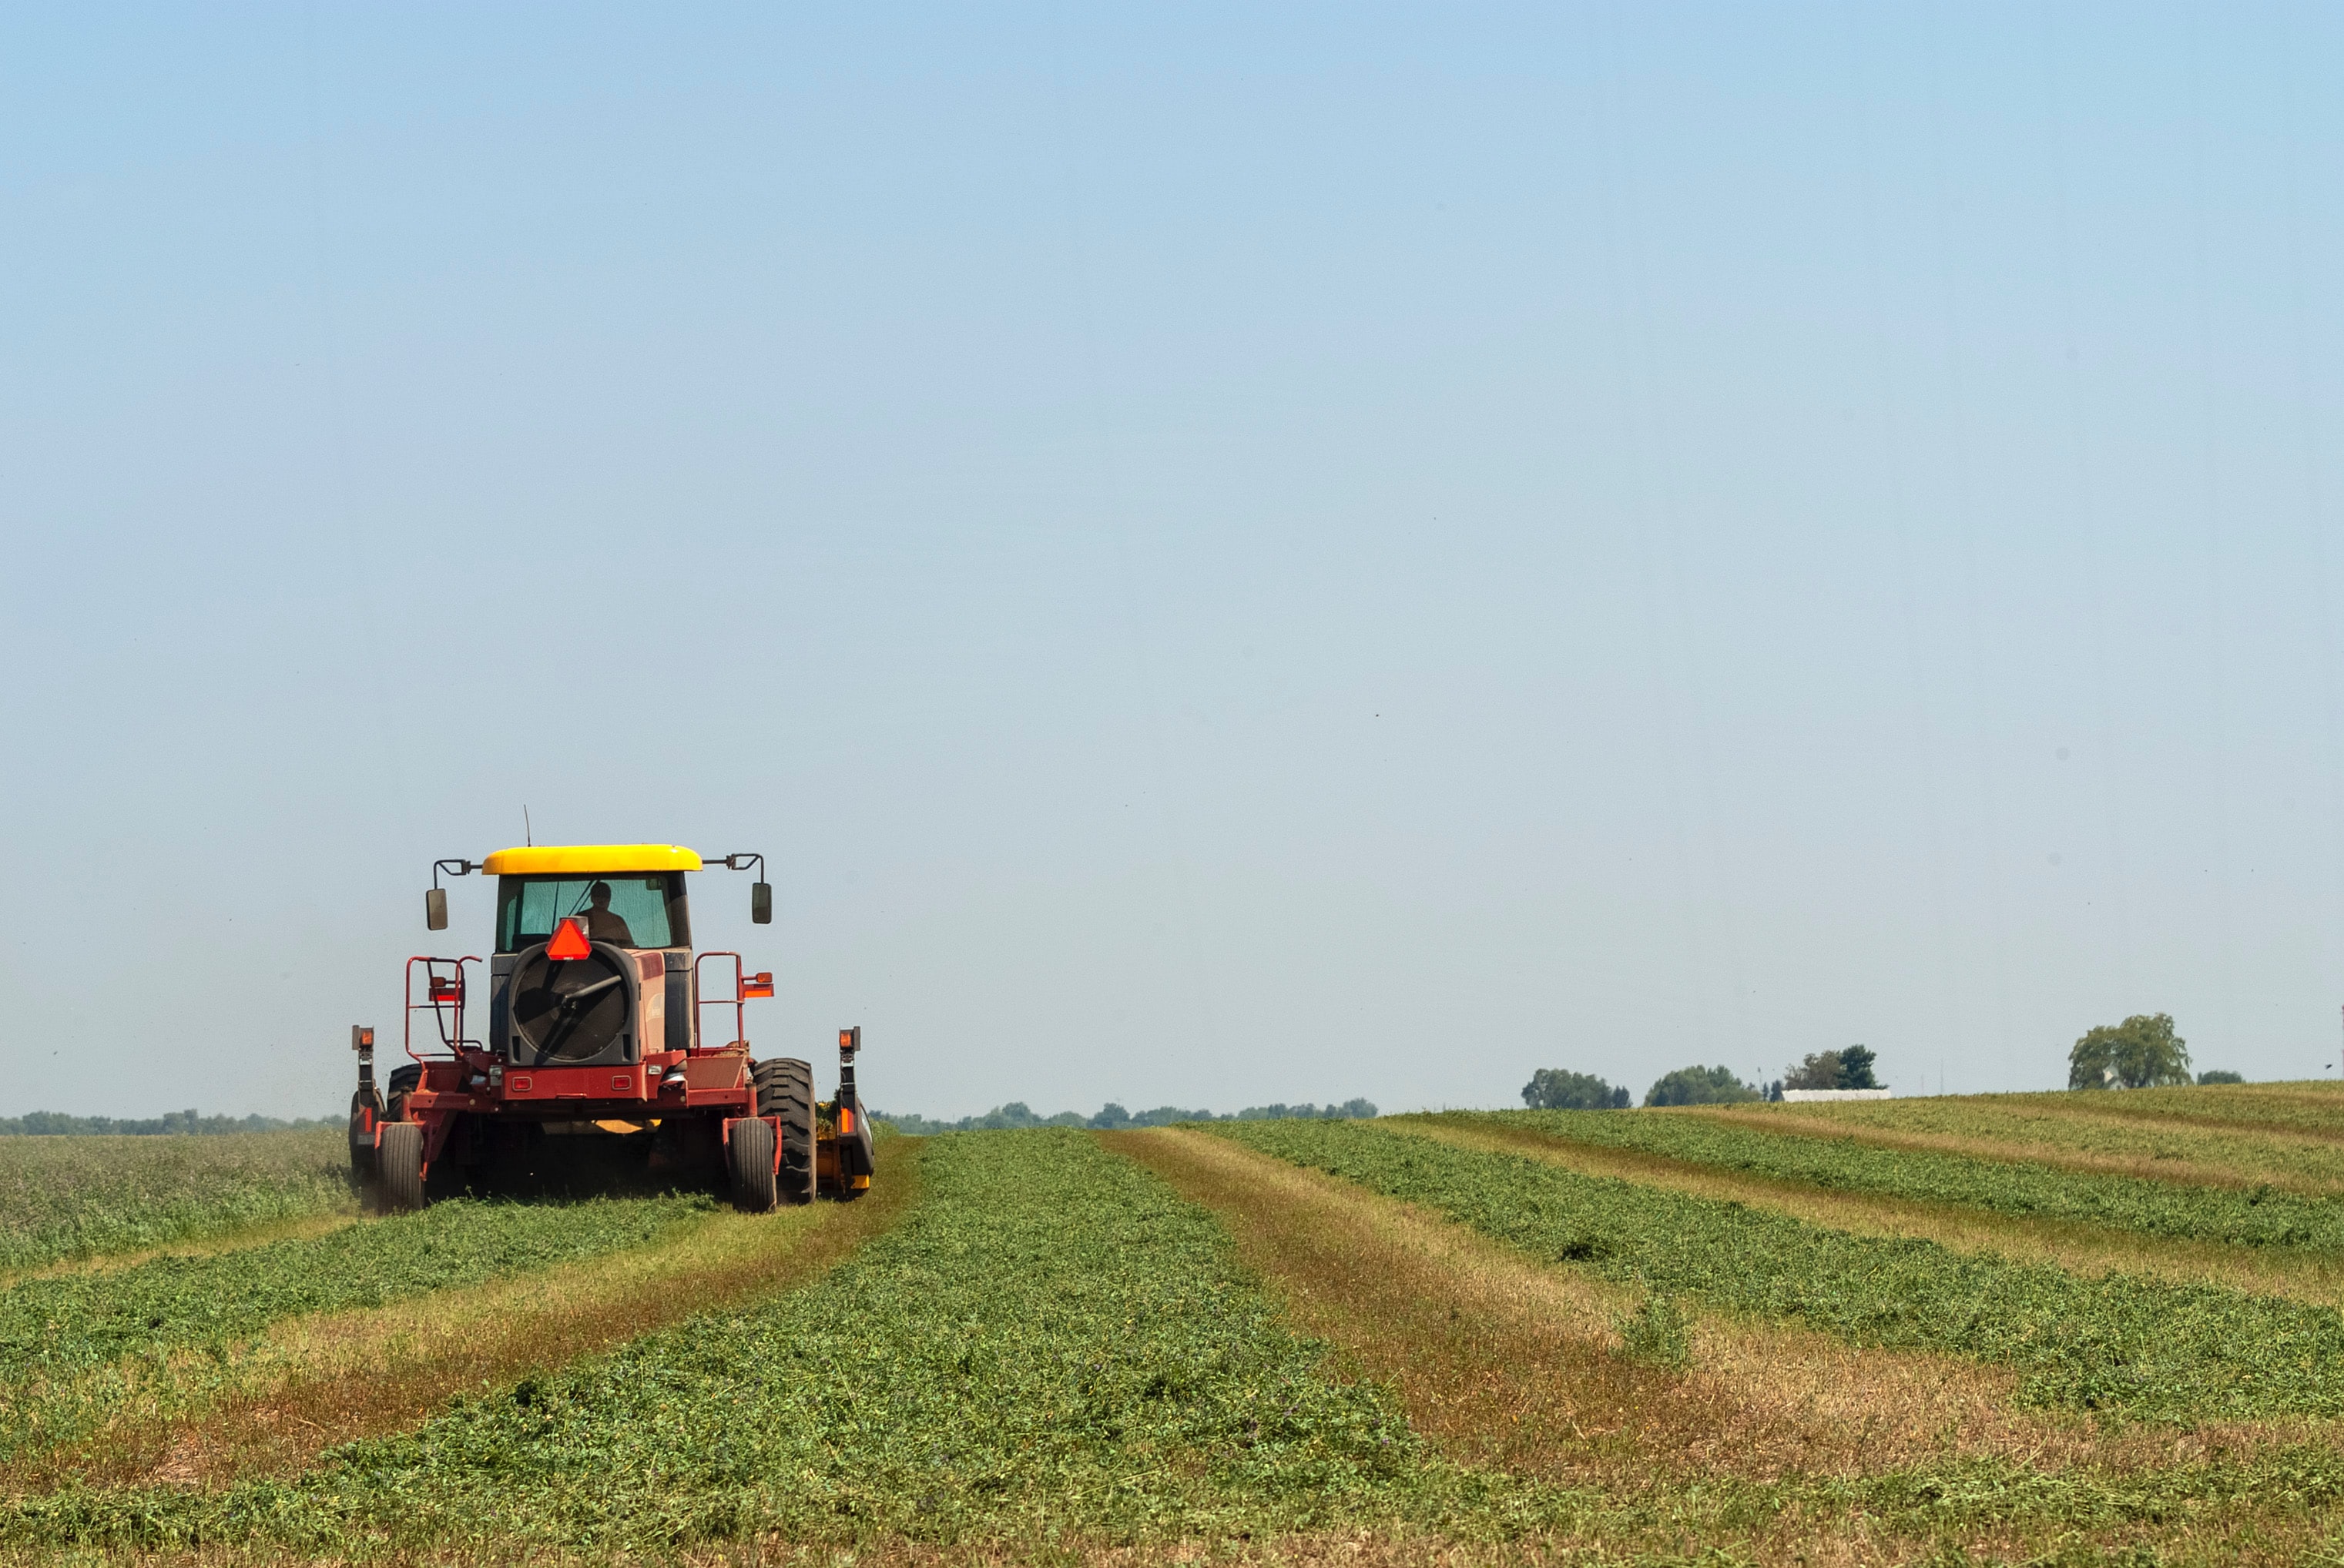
2068 1328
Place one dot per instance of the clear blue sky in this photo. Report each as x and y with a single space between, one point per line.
1225 556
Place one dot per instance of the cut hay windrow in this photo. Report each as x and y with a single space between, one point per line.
2304 1109
75 1348
2146 1347
2252 1217
1050 1344
2083 1130
1052 1357
1533 1369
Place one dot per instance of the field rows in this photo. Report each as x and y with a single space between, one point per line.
2146 1347
1392 1341
2253 1216
75 1348
2091 1131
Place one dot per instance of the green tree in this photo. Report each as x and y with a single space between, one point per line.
1848 1069
1819 1071
1554 1089
2141 1052
1855 1069
1699 1086
2221 1075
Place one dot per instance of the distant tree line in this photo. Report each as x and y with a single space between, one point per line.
1113 1117
1701 1086
1554 1089
2142 1052
1848 1067
54 1123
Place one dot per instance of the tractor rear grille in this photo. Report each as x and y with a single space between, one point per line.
579 1012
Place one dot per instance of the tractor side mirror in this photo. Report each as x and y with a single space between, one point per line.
435 910
761 902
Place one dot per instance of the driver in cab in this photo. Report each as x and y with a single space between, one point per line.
602 925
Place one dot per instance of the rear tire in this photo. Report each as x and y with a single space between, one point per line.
749 1154
785 1089
399 1166
403 1079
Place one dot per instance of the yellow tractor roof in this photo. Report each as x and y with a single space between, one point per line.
589 860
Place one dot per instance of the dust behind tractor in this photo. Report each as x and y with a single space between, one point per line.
598 1026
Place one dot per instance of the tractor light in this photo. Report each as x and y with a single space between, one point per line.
758 985
674 1079
497 1078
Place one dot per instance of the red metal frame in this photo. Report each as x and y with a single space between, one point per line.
463 1077
772 1121
760 985
443 996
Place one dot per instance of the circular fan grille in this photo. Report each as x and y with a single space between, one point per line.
569 1010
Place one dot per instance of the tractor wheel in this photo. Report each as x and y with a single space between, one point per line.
403 1079
785 1088
749 1155
362 1135
399 1166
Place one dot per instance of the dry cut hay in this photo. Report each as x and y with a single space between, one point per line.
326 1379
1524 1367
2302 1276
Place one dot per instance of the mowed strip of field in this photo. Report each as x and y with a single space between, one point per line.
316 1382
1050 1346
82 1350
1053 1356
2309 1109
2147 1347
2295 1128
1551 1371
2086 1131
64 1198
1768 1444
2313 1277
297 1229
2228 1214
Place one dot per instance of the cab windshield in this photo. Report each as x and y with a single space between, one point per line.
628 911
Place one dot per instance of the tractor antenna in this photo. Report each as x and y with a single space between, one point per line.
528 833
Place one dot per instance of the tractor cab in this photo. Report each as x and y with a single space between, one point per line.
596 1021
571 923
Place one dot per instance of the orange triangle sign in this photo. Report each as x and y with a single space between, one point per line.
569 942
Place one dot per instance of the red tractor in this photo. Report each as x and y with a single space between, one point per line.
595 1026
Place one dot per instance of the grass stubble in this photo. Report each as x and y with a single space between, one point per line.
2078 1139
1046 1363
1796 1446
2249 1214
1050 1348
2315 1278
1537 1370
321 1380
2119 1342
2288 1137
120 1350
